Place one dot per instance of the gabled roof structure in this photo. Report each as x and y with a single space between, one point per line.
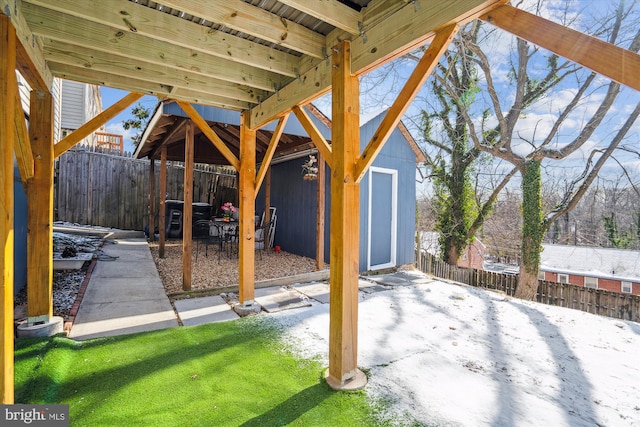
262 58
167 127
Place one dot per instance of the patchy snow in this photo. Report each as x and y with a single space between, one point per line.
452 355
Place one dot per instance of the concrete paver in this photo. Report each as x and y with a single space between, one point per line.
317 291
280 298
197 311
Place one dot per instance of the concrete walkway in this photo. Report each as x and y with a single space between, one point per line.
124 294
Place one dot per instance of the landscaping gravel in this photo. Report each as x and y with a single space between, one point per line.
208 272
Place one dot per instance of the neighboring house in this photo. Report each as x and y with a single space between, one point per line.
472 257
79 103
387 202
615 270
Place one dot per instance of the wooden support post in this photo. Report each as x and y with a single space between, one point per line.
187 243
40 211
247 191
8 87
267 200
343 372
152 200
163 197
320 207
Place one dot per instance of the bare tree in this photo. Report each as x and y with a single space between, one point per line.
500 133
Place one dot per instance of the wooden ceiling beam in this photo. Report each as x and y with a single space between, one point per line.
255 21
29 55
90 76
331 12
384 38
130 17
618 64
58 52
73 31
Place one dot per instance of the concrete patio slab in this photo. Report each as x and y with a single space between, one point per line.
278 299
124 294
317 291
198 311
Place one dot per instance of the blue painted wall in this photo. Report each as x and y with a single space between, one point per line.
20 233
295 200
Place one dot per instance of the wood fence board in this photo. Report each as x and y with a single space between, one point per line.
109 189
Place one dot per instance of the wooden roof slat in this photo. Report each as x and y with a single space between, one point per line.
330 11
81 57
125 15
74 31
255 21
87 75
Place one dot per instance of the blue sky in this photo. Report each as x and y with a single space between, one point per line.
109 97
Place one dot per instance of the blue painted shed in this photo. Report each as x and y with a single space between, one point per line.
387 203
387 195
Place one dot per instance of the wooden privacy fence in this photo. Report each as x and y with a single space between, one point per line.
96 186
596 301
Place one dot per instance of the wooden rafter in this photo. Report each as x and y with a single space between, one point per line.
136 85
255 21
620 65
209 133
266 161
176 31
159 71
64 33
318 140
408 93
331 11
93 124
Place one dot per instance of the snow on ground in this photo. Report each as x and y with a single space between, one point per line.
452 355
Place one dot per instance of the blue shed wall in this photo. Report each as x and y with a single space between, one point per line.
295 201
20 233
396 154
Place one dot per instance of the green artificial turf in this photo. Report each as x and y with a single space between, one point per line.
222 374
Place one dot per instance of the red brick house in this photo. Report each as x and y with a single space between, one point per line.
615 270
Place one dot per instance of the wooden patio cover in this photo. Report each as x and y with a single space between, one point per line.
265 58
